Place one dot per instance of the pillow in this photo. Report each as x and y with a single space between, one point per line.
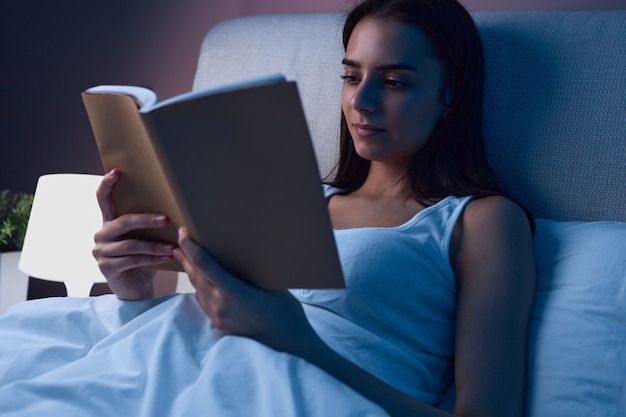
577 351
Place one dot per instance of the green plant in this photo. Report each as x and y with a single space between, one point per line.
14 213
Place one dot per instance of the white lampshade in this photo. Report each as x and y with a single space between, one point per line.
59 237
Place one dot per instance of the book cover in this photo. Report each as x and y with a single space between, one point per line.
235 165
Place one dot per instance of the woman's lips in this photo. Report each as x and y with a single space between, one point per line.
365 130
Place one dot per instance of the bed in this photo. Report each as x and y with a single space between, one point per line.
555 124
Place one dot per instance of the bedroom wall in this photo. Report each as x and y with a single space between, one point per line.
51 51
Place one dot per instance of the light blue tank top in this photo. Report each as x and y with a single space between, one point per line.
396 317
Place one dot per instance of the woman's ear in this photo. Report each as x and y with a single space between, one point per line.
448 99
450 93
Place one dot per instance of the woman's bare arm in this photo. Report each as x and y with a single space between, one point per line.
494 264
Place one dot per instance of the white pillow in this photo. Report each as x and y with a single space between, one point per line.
577 353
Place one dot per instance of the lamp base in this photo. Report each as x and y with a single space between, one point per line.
13 282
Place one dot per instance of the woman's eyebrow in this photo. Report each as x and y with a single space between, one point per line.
382 67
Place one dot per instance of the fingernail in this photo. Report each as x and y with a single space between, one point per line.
169 249
160 219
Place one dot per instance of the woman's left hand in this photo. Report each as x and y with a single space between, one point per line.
274 318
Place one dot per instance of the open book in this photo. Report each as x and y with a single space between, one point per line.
233 164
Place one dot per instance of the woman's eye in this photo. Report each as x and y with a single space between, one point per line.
391 83
350 79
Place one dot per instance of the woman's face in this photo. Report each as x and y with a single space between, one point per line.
393 94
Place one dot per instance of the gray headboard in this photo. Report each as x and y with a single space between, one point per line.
555 97
555 110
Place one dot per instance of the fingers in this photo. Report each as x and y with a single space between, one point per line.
115 229
192 258
199 265
112 266
133 247
189 254
115 253
104 194
214 291
118 256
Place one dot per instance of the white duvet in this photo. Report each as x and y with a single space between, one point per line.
104 357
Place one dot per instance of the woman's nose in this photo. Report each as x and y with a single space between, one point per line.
365 98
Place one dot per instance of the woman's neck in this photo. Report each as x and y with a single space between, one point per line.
386 181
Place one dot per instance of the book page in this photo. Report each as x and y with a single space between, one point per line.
146 99
238 85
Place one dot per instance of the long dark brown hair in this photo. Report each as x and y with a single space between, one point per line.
453 161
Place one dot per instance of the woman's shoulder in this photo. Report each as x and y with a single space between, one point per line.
491 224
494 211
493 221
493 205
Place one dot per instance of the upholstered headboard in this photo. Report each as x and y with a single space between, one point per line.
555 110
555 107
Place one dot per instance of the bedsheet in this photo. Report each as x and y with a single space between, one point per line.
161 357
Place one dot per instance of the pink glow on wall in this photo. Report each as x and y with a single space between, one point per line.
544 4
184 25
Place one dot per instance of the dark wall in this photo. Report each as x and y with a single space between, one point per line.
50 54
52 51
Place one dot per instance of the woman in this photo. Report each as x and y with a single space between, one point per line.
438 263
412 175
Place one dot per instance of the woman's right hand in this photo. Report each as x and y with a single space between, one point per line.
121 260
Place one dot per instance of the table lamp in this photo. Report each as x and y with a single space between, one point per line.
59 237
